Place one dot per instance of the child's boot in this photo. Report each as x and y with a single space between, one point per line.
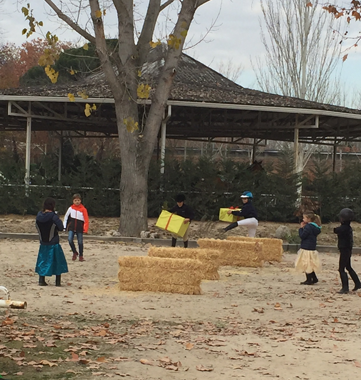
174 242
344 281
230 227
75 256
185 243
308 279
42 281
314 278
81 258
58 280
356 280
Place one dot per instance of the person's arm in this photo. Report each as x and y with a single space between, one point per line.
86 220
57 221
173 210
340 230
66 217
303 232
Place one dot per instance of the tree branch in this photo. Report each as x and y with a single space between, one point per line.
165 5
146 35
70 22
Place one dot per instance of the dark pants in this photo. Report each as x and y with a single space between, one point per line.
345 263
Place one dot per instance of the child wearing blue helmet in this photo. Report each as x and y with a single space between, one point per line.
248 212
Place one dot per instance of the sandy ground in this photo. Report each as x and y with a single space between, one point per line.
254 323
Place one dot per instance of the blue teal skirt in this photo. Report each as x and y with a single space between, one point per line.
51 260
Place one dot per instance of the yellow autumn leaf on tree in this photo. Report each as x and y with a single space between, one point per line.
72 72
24 31
143 91
51 73
154 44
25 11
86 47
174 42
104 12
184 33
83 94
94 107
87 110
98 14
71 97
130 124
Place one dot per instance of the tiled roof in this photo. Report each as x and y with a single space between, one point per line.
193 81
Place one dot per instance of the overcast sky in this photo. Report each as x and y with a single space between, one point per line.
234 36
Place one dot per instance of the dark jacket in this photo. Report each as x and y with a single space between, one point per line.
185 211
248 211
308 235
344 235
48 224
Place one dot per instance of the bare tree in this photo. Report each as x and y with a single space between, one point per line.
230 69
121 67
302 55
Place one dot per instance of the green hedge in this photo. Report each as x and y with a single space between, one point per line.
207 183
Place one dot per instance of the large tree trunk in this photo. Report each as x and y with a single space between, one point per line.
133 196
135 160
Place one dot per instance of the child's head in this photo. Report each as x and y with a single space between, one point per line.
311 217
49 204
180 198
246 196
346 215
76 199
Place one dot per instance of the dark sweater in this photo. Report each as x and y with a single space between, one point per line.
248 211
308 235
185 211
48 224
344 235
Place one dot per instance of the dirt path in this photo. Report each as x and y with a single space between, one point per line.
252 323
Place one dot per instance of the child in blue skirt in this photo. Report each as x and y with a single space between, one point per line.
51 259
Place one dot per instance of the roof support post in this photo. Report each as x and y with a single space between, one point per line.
296 148
254 149
60 155
28 149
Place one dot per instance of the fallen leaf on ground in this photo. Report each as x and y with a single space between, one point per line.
202 368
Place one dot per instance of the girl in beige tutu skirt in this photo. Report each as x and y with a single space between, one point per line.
307 258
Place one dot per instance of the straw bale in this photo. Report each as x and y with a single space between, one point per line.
272 247
208 257
167 288
160 274
155 262
236 253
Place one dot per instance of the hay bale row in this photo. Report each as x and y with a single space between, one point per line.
235 253
272 248
160 274
208 257
163 288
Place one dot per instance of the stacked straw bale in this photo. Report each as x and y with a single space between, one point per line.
235 253
208 257
156 274
272 248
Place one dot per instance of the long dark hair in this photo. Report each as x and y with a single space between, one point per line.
49 204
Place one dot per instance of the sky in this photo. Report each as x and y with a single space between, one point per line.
234 36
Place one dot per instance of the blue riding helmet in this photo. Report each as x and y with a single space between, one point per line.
247 194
